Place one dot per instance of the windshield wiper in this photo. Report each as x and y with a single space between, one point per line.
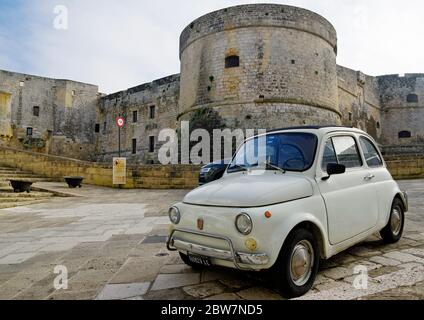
236 168
272 166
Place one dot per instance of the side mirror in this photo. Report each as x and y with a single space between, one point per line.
334 168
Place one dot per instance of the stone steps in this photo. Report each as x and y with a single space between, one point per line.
6 205
10 194
10 199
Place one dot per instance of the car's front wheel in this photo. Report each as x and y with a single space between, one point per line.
393 231
297 266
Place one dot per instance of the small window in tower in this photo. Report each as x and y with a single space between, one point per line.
134 146
36 111
152 112
293 61
232 62
29 131
378 125
412 98
405 134
135 116
97 128
350 116
151 144
73 93
21 84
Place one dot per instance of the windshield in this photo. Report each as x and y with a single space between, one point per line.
280 151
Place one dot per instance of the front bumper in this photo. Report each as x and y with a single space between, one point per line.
238 258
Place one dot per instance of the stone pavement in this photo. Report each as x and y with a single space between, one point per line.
112 243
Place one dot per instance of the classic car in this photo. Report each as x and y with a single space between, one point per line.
290 198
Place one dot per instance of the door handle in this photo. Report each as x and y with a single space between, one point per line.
369 177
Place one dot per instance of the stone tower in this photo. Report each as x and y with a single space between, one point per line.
260 66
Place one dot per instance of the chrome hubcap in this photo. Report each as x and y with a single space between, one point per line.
396 221
302 260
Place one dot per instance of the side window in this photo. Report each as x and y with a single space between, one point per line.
347 152
329 155
372 157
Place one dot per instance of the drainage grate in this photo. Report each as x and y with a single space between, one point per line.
155 239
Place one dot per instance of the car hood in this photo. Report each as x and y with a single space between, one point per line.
250 190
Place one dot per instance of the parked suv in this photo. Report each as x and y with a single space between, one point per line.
289 198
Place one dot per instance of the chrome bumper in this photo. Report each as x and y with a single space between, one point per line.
237 258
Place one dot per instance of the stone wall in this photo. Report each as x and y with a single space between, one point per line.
66 110
359 101
161 94
286 74
144 177
408 166
400 115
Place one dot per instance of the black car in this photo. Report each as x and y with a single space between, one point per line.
213 171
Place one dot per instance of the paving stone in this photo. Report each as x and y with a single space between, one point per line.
212 274
177 268
385 261
123 291
403 257
138 270
168 294
104 263
224 297
328 285
73 295
415 251
337 273
204 290
167 281
258 293
363 252
237 283
382 271
16 258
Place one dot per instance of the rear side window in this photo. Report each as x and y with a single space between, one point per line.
347 152
372 157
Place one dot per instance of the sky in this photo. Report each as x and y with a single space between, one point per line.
120 44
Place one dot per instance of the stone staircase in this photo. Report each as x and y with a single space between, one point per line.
9 199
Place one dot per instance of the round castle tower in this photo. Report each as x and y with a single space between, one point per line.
260 66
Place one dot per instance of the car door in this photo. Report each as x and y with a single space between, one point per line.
350 198
379 176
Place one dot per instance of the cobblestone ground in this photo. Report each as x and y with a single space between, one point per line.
112 244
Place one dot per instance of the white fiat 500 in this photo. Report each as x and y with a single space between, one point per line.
288 199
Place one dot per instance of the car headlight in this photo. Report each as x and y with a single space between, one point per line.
174 215
244 224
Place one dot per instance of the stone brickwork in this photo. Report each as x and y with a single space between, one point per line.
142 176
64 122
286 60
402 100
406 166
161 95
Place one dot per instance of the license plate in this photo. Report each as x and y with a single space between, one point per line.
199 260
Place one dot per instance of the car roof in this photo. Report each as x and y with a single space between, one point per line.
319 129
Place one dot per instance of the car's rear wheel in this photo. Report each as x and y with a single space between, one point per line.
190 263
393 231
297 266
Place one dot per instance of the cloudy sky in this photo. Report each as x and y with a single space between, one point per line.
120 44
